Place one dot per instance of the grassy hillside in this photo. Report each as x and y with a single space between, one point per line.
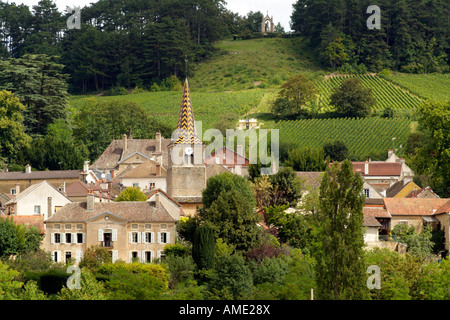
262 63
243 77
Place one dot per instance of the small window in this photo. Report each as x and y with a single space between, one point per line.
12 191
134 226
148 226
148 237
79 226
57 226
135 185
163 226
67 226
367 193
163 237
37 209
152 185
68 256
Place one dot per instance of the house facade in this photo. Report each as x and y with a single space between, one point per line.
129 230
40 199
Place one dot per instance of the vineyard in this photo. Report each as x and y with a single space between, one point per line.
386 94
427 86
364 137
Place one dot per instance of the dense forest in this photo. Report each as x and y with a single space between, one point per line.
121 43
414 35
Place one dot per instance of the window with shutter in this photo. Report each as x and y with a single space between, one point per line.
100 234
114 235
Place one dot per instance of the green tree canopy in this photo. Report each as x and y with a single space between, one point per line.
339 230
293 96
12 131
352 99
131 194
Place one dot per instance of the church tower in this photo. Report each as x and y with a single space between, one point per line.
186 173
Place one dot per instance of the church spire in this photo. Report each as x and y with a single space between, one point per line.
186 132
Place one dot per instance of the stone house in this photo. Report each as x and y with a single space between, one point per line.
40 199
129 230
401 189
415 212
234 161
13 182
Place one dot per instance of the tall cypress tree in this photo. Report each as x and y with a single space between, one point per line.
204 247
340 272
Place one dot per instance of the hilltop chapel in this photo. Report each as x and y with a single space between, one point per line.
177 166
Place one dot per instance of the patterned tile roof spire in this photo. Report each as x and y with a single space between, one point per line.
186 133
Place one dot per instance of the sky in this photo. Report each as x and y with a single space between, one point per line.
280 10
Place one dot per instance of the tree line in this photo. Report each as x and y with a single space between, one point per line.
413 36
121 43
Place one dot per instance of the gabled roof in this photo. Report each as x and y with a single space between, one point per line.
153 192
132 211
413 206
129 155
41 175
445 208
418 193
110 158
225 154
398 186
371 222
143 170
32 188
185 130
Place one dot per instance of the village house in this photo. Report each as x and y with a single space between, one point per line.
10 181
416 212
78 191
40 199
233 161
130 230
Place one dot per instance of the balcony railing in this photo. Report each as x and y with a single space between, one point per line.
107 244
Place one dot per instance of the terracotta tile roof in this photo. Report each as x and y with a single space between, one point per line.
36 221
132 211
41 175
143 170
445 208
227 157
417 193
378 168
376 212
114 152
413 206
371 222
77 189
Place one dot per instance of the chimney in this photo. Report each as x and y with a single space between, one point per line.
125 144
157 203
90 200
366 167
158 142
86 166
17 189
28 169
49 207
390 152
158 169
